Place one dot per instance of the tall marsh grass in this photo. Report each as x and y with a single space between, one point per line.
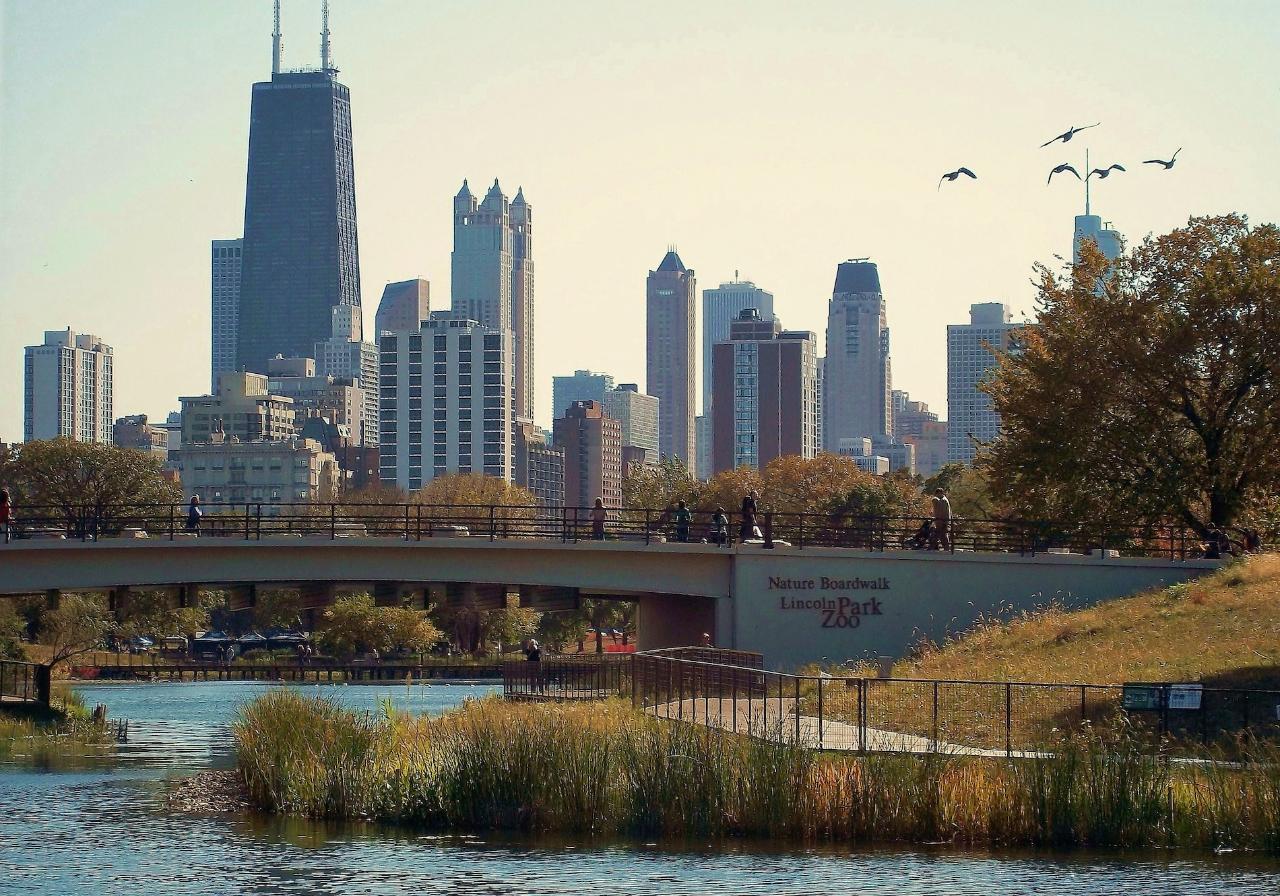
605 769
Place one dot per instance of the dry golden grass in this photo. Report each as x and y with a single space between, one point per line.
1223 629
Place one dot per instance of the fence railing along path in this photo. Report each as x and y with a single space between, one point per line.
721 689
415 522
24 682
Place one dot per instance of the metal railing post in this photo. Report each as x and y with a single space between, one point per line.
935 717
493 525
258 524
821 739
1008 719
768 529
246 521
172 515
333 522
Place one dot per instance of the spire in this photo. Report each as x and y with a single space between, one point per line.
519 200
465 192
1086 180
324 37
277 44
671 261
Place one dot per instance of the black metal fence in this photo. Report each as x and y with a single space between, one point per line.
24 682
415 522
730 690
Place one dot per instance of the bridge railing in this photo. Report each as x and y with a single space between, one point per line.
567 678
416 522
25 682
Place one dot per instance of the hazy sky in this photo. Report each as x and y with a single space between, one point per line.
775 139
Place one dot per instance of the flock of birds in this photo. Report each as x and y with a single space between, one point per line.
1065 137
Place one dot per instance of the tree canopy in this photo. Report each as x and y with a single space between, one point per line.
355 624
1149 390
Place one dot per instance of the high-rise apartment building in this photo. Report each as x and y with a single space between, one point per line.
856 379
404 306
582 385
592 445
764 394
226 256
301 256
971 417
445 403
316 395
720 308
492 282
670 366
68 388
352 361
637 415
136 433
909 417
243 408
538 467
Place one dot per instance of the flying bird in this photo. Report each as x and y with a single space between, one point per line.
1066 136
952 175
1105 172
1167 165
1065 166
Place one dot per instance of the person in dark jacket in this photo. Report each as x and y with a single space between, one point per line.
748 527
193 515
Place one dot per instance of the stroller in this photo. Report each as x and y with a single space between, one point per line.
920 540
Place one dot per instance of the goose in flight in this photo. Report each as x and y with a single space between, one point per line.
1065 166
1066 136
1104 173
1167 165
952 175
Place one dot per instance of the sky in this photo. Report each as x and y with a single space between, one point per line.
772 139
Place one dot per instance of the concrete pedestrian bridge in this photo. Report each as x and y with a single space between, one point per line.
792 604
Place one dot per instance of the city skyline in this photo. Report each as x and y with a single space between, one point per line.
178 178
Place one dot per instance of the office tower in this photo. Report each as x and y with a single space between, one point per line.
909 417
972 420
702 443
225 279
445 402
856 377
764 394
637 415
592 445
68 388
539 467
347 359
669 355
720 308
583 385
1089 227
136 433
243 408
492 283
301 256
404 306
930 446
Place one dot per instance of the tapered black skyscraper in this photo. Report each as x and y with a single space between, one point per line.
301 256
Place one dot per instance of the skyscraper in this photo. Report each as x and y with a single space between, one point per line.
592 444
637 415
857 379
225 287
404 306
669 355
301 256
720 308
971 418
582 385
764 406
68 389
492 276
1089 227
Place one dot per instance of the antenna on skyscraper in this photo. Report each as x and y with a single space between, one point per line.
1086 180
324 37
277 44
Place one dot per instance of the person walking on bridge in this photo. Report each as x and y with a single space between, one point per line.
940 532
682 518
193 515
598 517
748 527
6 514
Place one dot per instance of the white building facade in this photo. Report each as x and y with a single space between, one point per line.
445 402
68 389
857 379
971 417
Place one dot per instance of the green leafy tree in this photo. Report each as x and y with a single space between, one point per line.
561 628
156 614
68 480
78 623
1149 390
355 624
12 626
658 486
967 490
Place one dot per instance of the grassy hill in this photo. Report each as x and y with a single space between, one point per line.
1223 630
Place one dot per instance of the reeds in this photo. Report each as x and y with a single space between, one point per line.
606 769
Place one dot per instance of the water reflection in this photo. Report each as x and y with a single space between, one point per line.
106 831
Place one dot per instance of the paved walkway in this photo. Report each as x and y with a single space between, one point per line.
775 718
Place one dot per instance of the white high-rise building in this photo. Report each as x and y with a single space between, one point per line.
68 391
1089 227
856 378
637 416
225 279
445 404
344 356
971 417
671 355
720 308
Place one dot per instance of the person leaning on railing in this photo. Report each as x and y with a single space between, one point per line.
6 514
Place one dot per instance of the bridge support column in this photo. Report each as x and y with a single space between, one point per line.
399 594
672 620
242 597
188 595
118 599
53 598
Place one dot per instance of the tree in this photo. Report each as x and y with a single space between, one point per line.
466 498
66 479
659 486
1150 389
967 489
11 628
156 614
78 623
355 624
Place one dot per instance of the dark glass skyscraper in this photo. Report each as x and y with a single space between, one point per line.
300 251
